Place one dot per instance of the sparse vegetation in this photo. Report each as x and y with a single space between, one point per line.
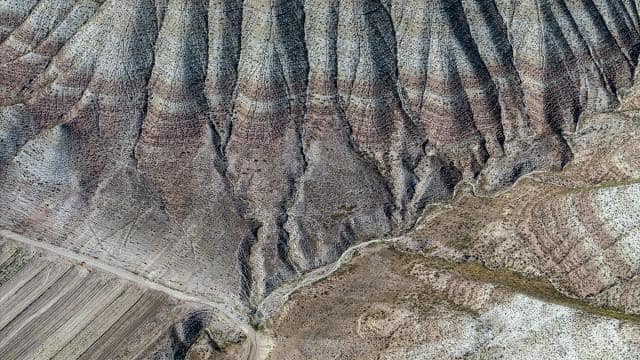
13 265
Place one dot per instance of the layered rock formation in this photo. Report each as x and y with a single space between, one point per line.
223 148
547 269
577 228
390 305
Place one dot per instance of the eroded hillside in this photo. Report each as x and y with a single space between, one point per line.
229 149
547 269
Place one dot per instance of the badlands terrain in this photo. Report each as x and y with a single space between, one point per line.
319 179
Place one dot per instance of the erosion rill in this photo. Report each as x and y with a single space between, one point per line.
319 179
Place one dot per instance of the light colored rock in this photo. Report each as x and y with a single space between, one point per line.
226 149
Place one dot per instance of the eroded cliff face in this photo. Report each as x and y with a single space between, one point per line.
547 269
222 148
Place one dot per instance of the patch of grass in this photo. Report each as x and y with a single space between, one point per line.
257 325
538 288
13 265
343 212
461 242
614 183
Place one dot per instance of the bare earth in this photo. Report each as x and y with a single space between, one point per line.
319 179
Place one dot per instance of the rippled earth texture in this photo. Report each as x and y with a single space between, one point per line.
319 179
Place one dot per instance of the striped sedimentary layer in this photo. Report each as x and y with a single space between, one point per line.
390 305
577 230
222 147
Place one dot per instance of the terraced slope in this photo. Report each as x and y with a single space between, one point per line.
54 307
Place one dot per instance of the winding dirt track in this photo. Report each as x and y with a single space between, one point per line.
254 350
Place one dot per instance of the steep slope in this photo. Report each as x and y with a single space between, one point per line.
577 228
222 148
547 269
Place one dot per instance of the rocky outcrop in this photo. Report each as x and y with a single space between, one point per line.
225 147
577 228
545 269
